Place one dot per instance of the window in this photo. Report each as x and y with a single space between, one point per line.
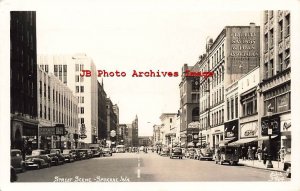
271 38
81 88
76 78
41 111
195 98
82 100
266 70
287 58
236 107
266 42
271 14
287 21
266 16
170 120
82 110
228 109
222 50
77 89
77 67
232 108
280 35
82 120
81 67
272 68
280 60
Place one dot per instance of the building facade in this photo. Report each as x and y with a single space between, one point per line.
135 132
189 104
234 53
145 141
56 105
168 130
102 114
111 123
23 78
275 72
68 69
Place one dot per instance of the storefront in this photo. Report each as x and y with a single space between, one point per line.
217 135
285 128
248 135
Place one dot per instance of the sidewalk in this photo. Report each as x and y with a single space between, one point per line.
256 164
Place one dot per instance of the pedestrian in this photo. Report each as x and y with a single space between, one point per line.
259 153
253 157
265 154
249 153
244 153
282 154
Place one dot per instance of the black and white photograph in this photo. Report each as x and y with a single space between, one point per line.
149 95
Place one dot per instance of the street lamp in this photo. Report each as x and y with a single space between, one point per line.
269 165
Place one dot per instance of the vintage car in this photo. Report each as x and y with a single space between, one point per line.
190 153
96 152
16 160
227 154
205 154
176 152
43 155
165 151
78 155
35 162
57 157
287 165
68 155
107 152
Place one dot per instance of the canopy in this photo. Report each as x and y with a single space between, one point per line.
265 138
242 141
190 144
224 142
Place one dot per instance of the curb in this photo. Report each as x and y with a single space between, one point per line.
270 169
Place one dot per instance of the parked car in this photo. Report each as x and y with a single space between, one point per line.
16 160
68 155
165 152
176 152
287 165
96 152
86 153
78 155
227 154
35 162
57 157
190 153
43 155
205 154
107 152
13 174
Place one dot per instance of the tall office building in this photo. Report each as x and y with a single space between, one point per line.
67 68
275 72
23 79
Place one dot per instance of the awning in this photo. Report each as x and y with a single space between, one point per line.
242 141
190 144
225 142
265 138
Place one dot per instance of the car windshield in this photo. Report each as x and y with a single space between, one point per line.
15 153
177 150
106 149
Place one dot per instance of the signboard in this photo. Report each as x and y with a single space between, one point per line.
269 131
272 123
59 129
113 133
231 129
249 130
243 50
83 136
46 131
285 125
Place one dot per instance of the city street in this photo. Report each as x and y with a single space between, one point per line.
143 167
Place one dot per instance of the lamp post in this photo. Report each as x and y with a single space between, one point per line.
269 113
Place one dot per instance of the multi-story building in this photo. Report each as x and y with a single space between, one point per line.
56 105
23 78
111 123
145 141
135 132
168 129
122 134
67 68
102 113
156 135
233 54
189 104
275 72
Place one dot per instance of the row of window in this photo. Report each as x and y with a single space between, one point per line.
81 89
232 108
282 64
218 56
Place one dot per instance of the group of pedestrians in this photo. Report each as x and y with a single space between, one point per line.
259 154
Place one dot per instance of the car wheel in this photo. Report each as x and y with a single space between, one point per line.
288 172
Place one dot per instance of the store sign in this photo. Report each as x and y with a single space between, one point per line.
249 130
46 131
231 129
272 123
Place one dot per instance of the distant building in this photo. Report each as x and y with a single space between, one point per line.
56 105
157 135
135 132
23 79
111 123
145 141
167 129
102 114
67 68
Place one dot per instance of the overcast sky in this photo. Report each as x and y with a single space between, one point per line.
135 36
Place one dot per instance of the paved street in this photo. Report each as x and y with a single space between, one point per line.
124 167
